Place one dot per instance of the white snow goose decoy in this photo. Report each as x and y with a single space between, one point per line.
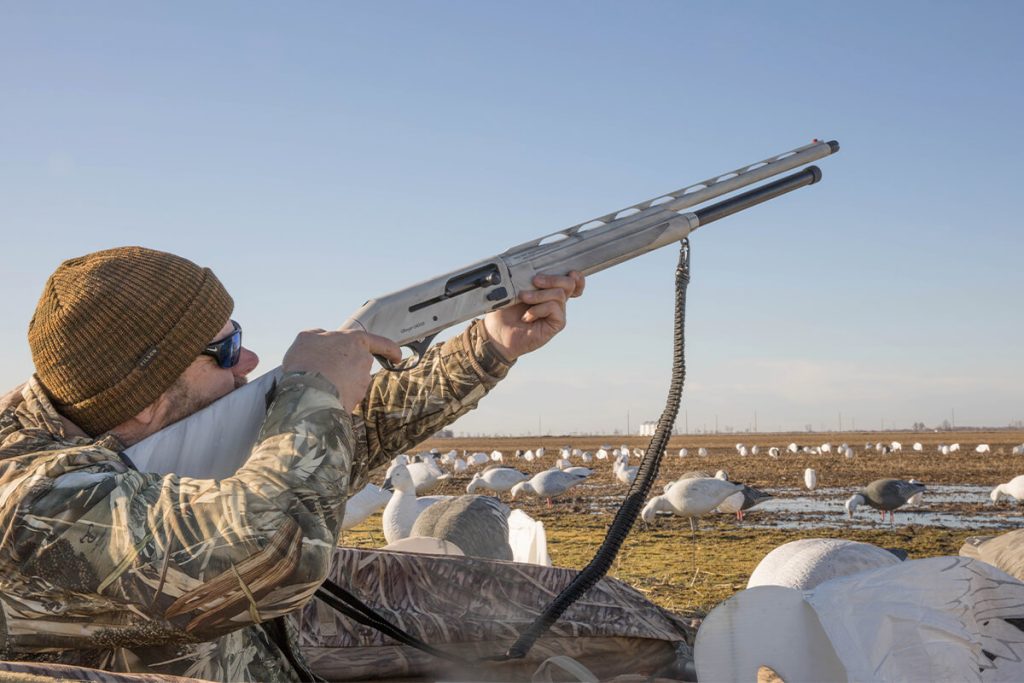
370 499
690 498
693 498
690 474
424 471
937 619
1013 489
497 479
805 563
548 484
401 511
624 472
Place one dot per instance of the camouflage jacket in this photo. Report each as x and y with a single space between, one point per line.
105 566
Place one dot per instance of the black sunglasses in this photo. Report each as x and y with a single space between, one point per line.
228 350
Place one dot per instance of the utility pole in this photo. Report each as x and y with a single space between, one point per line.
716 424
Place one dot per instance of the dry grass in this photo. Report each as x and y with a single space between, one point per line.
658 561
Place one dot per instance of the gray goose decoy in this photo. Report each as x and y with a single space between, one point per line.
741 501
884 495
478 525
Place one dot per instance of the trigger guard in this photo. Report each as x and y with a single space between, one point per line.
418 348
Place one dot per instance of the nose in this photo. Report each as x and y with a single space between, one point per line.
247 362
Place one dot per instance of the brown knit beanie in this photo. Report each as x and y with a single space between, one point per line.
114 329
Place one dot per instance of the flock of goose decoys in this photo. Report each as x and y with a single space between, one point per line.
692 495
813 609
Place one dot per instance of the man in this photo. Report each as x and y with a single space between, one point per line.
105 566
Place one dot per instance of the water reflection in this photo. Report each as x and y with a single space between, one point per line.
958 507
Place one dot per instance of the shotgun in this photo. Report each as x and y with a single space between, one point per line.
214 442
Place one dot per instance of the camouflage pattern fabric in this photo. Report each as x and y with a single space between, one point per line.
475 607
35 672
1003 551
106 567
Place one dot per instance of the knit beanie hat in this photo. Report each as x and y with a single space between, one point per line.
115 329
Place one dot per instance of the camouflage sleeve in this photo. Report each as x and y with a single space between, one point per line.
260 541
402 409
145 559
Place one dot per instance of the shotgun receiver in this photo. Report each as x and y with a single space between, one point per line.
217 440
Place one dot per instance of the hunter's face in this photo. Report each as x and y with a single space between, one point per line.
204 381
213 380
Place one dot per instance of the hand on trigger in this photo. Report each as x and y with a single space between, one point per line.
343 357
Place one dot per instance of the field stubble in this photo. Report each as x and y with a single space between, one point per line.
658 560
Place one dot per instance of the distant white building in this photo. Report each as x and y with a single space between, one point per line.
648 429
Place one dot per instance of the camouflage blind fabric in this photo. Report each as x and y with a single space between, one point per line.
475 607
1005 551
104 566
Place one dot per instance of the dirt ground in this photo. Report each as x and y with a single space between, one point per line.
663 562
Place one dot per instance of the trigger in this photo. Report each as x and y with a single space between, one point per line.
418 348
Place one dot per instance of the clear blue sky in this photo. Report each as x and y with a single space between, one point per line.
317 154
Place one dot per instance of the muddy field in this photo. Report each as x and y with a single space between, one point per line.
662 561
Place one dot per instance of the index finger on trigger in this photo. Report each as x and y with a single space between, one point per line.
382 346
580 281
564 282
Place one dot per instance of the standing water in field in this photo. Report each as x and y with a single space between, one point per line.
958 507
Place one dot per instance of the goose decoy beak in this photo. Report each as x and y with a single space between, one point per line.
899 553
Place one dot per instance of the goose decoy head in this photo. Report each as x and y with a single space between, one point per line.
852 503
900 553
399 480
647 514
